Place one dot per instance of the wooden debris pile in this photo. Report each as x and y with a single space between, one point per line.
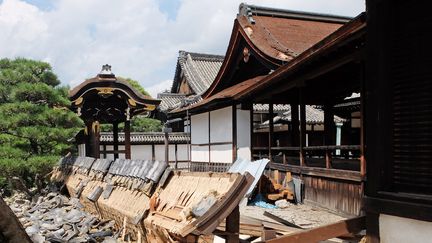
145 199
56 218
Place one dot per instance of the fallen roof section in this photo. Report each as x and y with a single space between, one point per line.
195 202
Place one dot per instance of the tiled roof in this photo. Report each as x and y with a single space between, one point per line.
147 138
313 116
170 101
284 34
264 108
199 70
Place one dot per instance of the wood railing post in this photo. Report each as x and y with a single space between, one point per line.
271 129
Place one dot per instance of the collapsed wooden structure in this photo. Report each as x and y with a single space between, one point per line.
147 199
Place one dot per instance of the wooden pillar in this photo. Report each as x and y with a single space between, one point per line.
115 140
232 226
127 140
166 143
362 130
295 134
329 132
302 131
153 152
94 140
176 156
234 133
271 130
88 140
251 122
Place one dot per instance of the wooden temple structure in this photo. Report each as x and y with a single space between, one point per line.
107 99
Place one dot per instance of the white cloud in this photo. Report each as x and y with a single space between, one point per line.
136 38
159 87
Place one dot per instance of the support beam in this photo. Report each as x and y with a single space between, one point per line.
115 139
88 144
302 132
127 140
329 132
295 125
232 226
234 133
325 232
94 139
271 130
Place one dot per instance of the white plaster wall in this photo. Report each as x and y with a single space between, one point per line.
81 150
243 134
199 153
221 125
182 152
200 129
111 156
221 153
143 152
403 230
160 152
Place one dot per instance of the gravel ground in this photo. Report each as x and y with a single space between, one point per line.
302 215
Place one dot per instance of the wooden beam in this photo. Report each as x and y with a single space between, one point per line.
127 140
234 133
233 226
319 172
325 232
302 132
116 140
295 125
271 130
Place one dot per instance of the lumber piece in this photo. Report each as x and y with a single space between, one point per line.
325 232
281 220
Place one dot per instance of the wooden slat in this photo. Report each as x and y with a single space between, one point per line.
325 232
321 172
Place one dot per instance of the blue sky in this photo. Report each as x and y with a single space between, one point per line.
139 38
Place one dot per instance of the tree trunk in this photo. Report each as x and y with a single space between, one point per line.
11 229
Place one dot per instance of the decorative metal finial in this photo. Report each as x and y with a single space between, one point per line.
106 72
106 69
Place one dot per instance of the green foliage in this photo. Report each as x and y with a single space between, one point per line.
143 124
135 84
138 123
35 123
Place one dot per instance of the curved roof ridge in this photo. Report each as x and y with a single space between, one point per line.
251 10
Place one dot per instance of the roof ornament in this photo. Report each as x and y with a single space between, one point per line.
106 72
246 11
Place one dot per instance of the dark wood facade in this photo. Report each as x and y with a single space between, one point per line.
399 112
110 100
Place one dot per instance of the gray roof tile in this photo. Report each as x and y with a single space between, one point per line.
149 137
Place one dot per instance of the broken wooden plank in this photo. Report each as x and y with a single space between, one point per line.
325 232
281 220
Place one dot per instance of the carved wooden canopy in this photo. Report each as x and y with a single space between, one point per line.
109 99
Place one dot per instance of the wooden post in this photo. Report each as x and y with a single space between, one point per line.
362 130
232 226
302 132
88 140
176 157
127 140
271 129
94 139
166 143
234 133
115 140
153 152
329 132
295 125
